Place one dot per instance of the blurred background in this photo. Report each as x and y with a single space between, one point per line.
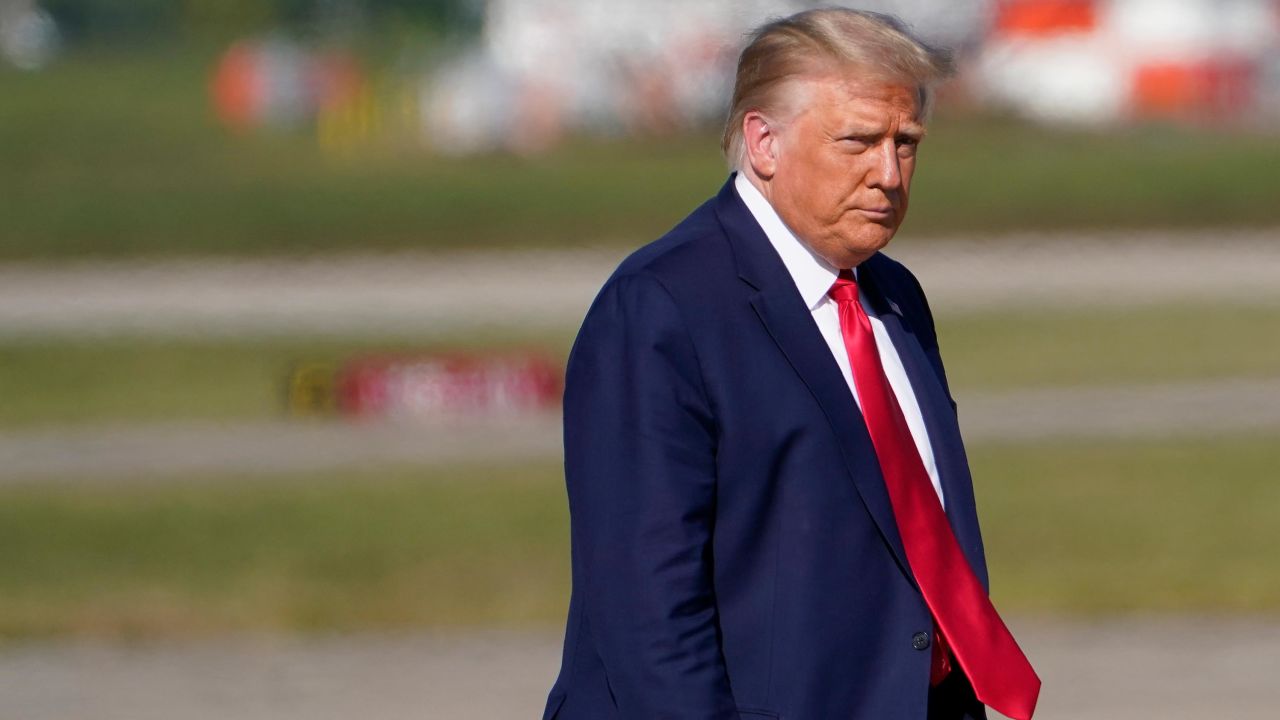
287 286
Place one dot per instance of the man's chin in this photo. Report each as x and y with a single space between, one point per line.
870 240
853 253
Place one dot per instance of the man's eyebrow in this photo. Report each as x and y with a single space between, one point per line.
913 131
916 131
861 130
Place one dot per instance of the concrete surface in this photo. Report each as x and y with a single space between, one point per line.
1175 668
422 295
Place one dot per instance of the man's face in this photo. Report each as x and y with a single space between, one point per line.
844 164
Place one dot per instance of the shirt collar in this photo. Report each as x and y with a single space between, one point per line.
812 275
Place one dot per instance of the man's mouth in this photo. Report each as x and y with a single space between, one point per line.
879 214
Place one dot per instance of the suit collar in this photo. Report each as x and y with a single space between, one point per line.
792 328
768 253
757 263
812 274
871 282
936 409
944 436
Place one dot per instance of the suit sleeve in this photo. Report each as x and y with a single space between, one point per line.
640 469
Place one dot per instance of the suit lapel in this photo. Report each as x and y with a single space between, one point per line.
791 327
939 419
783 313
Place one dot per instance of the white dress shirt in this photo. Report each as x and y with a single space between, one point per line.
814 277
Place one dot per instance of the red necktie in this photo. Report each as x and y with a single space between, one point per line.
1000 674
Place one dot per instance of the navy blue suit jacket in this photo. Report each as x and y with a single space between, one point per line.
734 551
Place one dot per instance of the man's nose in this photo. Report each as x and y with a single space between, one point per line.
886 173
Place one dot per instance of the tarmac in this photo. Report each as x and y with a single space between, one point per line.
438 294
1171 668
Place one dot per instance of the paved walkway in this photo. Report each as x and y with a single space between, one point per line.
435 294
192 450
1120 669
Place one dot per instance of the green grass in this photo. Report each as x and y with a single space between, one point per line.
68 382
111 156
1114 527
1175 343
1070 528
118 155
377 549
979 176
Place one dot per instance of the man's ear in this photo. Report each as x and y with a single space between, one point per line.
760 141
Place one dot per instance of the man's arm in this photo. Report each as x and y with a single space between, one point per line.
640 468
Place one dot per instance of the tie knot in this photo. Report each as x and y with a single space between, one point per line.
845 288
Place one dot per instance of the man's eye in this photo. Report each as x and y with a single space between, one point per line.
907 146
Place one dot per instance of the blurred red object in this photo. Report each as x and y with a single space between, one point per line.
450 385
236 87
336 79
281 83
1039 18
1215 88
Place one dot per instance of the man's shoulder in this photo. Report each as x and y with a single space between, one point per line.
889 270
665 285
900 288
893 278
693 251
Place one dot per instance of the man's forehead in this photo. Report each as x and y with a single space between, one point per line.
875 124
857 101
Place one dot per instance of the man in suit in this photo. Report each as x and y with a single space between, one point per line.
772 513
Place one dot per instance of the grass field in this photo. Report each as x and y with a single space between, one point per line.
118 155
378 549
52 382
1071 528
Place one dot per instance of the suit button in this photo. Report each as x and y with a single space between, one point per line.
920 641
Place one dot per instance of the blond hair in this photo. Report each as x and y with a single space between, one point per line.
813 42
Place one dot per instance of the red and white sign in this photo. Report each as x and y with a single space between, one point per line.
448 386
